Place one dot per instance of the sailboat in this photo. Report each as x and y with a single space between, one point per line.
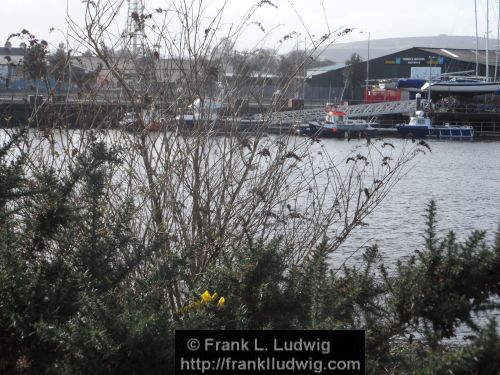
468 85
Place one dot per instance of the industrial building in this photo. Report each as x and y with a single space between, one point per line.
11 72
416 62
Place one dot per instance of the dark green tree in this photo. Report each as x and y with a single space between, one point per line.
354 75
35 60
59 64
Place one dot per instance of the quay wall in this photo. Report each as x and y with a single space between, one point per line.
96 114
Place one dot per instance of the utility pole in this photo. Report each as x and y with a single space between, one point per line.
367 82
368 63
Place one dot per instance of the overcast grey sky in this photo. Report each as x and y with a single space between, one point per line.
382 19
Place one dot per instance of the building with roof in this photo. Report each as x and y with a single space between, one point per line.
11 71
416 62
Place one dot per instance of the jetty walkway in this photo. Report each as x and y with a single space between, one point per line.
369 111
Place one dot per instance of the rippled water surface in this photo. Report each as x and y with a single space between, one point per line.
462 177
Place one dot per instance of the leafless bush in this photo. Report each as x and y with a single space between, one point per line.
193 187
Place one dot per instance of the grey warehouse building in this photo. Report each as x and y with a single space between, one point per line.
416 62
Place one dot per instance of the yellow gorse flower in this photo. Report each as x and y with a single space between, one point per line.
221 302
206 296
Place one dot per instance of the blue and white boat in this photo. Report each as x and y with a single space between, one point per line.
411 84
455 132
320 130
462 85
420 126
336 125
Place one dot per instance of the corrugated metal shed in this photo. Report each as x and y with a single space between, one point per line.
464 55
399 64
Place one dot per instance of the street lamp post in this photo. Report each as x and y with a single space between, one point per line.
367 58
368 62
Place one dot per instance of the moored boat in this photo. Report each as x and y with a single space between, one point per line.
343 122
149 121
455 132
411 84
207 110
322 130
420 126
336 125
462 85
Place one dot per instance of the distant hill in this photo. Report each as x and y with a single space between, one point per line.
341 52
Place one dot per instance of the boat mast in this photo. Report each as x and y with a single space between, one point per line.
487 37
477 40
498 41
429 100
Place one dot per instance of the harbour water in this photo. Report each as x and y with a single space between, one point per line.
462 177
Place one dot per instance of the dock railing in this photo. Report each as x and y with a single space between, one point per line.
357 110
